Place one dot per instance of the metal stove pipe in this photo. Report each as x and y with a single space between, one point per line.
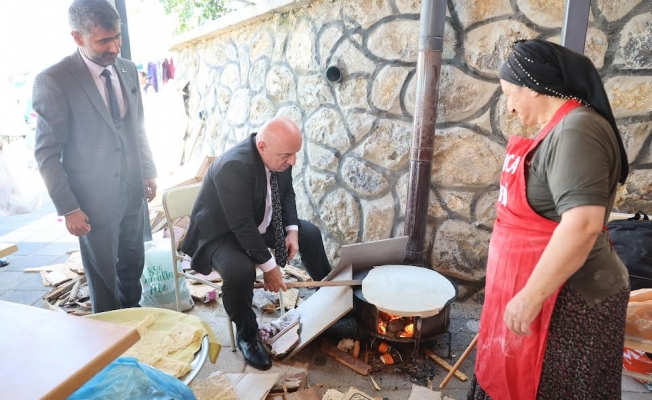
431 44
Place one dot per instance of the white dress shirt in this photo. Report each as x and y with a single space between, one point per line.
100 82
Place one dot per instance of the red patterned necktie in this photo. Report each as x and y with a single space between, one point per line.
280 251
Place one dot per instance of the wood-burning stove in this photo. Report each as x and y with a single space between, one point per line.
397 328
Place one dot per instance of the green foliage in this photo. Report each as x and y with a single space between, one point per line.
193 13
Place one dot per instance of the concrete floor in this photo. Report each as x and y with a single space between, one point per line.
43 240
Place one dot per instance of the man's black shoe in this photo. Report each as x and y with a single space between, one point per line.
255 353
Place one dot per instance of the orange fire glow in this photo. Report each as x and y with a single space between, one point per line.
395 326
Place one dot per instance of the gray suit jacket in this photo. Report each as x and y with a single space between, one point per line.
78 148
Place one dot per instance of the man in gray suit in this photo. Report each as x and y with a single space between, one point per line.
93 154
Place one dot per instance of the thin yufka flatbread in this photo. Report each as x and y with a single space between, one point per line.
407 291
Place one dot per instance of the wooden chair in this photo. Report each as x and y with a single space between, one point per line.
178 203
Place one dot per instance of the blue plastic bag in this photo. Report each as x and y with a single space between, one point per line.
126 378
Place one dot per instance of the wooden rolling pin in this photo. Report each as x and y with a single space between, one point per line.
291 285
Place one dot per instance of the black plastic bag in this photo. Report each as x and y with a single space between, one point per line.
632 241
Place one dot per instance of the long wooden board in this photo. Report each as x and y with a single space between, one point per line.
323 309
364 256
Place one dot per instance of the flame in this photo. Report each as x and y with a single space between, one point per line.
408 331
384 319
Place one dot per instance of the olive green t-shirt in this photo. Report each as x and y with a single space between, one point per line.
578 164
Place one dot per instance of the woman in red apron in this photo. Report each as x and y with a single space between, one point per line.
552 325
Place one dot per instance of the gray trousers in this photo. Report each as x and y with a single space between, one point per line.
113 254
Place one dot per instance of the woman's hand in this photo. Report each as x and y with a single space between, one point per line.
521 310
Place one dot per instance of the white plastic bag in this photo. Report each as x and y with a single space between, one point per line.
158 279
17 195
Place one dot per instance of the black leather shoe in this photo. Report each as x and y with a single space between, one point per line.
255 353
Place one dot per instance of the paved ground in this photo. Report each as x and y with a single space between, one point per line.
42 239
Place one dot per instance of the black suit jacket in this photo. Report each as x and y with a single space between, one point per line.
231 201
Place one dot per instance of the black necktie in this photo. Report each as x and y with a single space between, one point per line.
113 101
280 251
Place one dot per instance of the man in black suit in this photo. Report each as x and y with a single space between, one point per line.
246 202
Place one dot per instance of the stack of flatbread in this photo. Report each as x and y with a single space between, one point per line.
161 348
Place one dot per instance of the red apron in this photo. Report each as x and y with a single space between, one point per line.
508 367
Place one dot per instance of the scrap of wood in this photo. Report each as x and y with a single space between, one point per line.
422 393
290 298
356 394
74 291
46 268
56 278
214 276
84 293
290 383
158 222
332 394
285 341
53 308
346 359
198 292
84 306
252 386
183 223
64 288
306 394
74 263
216 386
44 278
356 349
373 381
298 273
62 299
441 362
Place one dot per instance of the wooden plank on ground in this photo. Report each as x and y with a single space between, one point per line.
252 386
47 268
441 362
323 309
346 359
57 277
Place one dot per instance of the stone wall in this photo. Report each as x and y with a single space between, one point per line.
352 174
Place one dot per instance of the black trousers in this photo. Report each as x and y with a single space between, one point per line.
239 273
